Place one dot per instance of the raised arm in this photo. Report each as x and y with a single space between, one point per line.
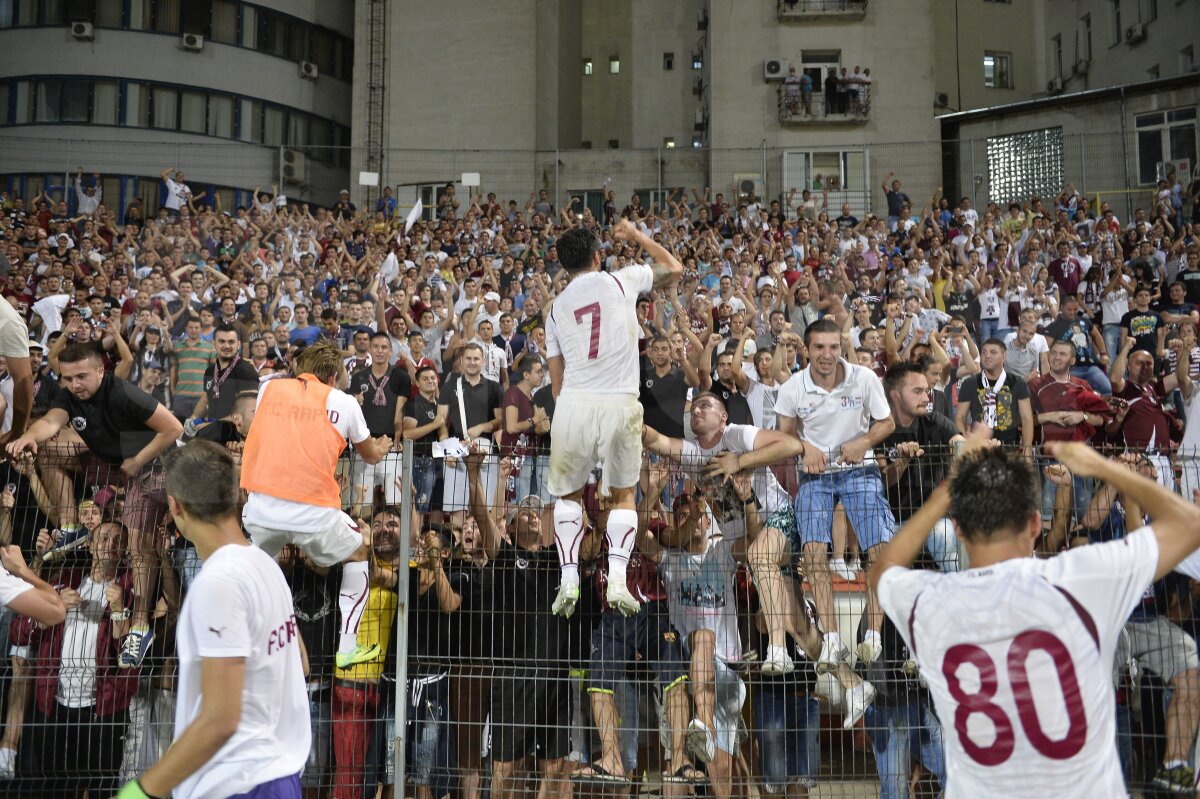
667 268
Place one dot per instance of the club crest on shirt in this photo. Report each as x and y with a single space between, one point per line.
79 423
851 403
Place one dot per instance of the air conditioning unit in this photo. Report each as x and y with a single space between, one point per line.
701 123
747 184
698 86
82 30
774 68
1135 33
295 167
192 41
1054 86
1081 67
308 70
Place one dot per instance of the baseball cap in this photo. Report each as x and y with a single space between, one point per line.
736 304
344 191
491 296
36 345
530 502
153 363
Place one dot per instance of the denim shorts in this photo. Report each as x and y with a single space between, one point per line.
427 483
860 490
320 715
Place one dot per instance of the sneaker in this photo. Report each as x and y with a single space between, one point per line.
871 647
833 651
564 601
700 741
359 654
135 648
858 699
777 662
1177 779
620 599
841 569
8 764
68 541
855 566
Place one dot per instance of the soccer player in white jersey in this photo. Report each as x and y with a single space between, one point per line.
1018 652
591 348
241 721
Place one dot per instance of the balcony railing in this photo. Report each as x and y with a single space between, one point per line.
801 10
816 108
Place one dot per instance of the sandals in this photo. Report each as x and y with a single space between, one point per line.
599 774
686 774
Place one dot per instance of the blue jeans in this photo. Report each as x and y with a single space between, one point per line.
987 329
1095 377
860 490
942 545
899 734
426 476
1112 340
532 479
1081 497
789 737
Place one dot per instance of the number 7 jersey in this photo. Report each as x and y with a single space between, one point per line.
1018 657
593 326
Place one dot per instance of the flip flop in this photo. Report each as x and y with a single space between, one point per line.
680 777
599 774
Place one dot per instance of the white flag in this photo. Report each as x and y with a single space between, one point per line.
413 216
390 268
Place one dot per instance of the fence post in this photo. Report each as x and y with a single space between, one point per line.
557 180
762 152
279 170
659 171
974 183
401 633
1083 162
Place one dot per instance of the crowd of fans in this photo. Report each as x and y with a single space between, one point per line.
1044 319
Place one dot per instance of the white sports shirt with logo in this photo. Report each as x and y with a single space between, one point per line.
1018 658
593 326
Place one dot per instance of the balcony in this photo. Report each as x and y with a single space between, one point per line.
797 110
821 10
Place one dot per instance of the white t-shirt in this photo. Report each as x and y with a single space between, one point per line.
593 326
700 594
266 511
737 438
177 195
77 671
1018 658
829 419
1189 446
14 335
11 586
240 606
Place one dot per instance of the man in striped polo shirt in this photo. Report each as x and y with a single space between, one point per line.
192 355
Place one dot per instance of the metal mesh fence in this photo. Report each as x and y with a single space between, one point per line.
479 689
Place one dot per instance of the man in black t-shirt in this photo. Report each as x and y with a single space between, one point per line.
227 376
479 409
915 457
125 427
424 423
382 391
664 388
997 399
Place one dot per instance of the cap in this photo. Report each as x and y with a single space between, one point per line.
530 502
344 191
36 345
491 296
736 304
153 363
154 329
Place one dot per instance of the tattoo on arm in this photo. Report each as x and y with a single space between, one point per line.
662 275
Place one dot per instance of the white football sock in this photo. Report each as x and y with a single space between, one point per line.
622 535
352 601
568 535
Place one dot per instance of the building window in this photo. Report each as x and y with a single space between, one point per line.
1164 138
1187 59
614 144
668 61
1147 10
164 106
614 65
1025 164
697 61
997 70
1118 33
1056 52
669 142
587 66
1084 52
